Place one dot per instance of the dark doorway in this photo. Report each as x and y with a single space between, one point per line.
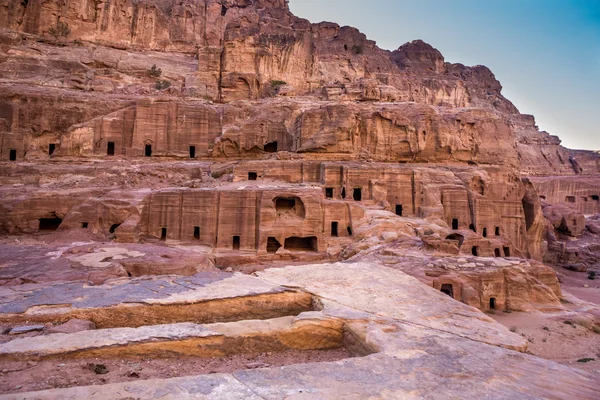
349 231
163 233
272 245
197 232
12 155
484 233
84 225
271 147
51 148
113 228
285 203
455 223
448 289
595 197
475 251
334 229
301 243
329 193
497 252
236 242
223 10
343 193
110 149
399 209
148 150
49 224
252 176
529 210
357 194
507 252
192 151
497 231
472 227
492 303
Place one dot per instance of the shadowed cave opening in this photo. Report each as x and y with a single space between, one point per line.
529 210
49 224
236 242
399 210
252 176
447 289
110 149
301 243
192 151
271 147
497 231
148 150
197 232
455 223
289 206
492 303
51 148
475 251
273 245
497 252
12 155
329 193
457 238
113 228
484 232
163 234
506 251
84 225
357 194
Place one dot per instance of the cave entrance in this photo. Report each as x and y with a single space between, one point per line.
271 147
273 245
447 289
343 193
507 252
475 251
197 232
357 194
484 233
457 238
192 151
492 303
289 206
252 176
84 225
349 231
236 242
301 243
595 197
497 252
51 148
529 210
455 223
329 193
113 228
472 227
50 224
399 210
148 150
12 155
163 234
497 231
110 149
334 229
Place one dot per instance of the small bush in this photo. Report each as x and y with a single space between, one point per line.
584 360
592 275
154 71
356 49
59 31
277 83
162 84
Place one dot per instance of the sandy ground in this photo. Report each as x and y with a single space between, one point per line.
19 376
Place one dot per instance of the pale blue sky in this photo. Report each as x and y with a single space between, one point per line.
546 53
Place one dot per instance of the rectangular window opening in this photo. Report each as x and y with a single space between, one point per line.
110 149
506 251
357 194
236 242
252 176
163 234
51 148
497 231
334 229
329 193
148 150
197 232
12 155
192 151
84 225
455 223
